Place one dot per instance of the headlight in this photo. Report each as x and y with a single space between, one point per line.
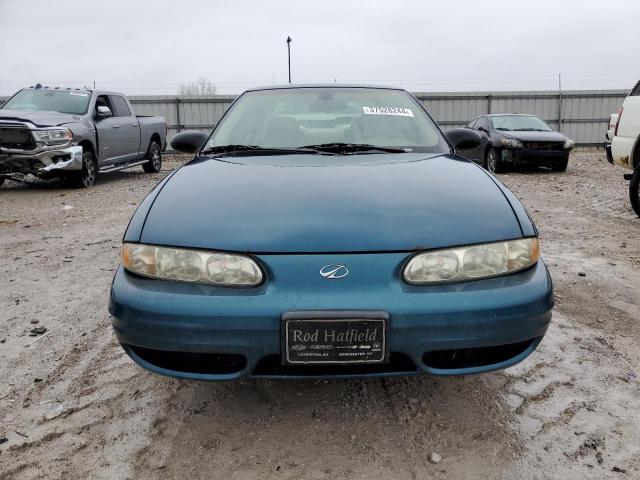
568 144
473 262
53 136
214 268
511 143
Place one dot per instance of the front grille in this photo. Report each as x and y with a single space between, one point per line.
544 145
475 357
190 362
271 365
17 138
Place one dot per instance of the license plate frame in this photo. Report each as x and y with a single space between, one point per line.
371 350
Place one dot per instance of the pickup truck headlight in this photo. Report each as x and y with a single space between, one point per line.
511 143
568 144
53 136
195 266
472 262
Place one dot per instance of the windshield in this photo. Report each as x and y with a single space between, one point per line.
63 101
298 117
519 122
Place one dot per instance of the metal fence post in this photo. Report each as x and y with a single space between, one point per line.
178 114
560 110
489 98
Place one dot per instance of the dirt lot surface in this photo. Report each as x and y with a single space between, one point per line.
73 406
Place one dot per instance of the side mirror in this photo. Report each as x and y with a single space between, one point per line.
104 112
189 141
463 138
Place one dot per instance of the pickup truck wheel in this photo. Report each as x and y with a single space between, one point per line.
86 177
493 162
154 155
634 190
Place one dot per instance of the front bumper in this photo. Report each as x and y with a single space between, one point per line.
159 316
533 157
15 164
621 149
607 149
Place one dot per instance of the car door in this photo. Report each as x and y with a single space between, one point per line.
108 128
129 133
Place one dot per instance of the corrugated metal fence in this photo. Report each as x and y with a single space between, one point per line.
580 114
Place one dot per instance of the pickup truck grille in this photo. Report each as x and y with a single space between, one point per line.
544 145
16 137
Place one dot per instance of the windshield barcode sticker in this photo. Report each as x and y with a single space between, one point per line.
78 94
403 112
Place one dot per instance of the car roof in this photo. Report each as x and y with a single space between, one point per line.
83 90
322 85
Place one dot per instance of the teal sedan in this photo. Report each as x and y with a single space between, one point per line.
329 231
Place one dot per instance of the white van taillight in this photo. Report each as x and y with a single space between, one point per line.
615 132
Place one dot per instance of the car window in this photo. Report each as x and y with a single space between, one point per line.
635 91
297 117
519 123
103 101
63 101
120 106
482 123
472 123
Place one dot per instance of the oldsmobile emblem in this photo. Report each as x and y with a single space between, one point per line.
333 272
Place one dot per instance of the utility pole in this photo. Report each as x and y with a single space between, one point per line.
289 56
559 102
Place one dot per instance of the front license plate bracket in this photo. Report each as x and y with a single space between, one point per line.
334 337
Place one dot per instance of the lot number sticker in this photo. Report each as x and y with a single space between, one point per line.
399 111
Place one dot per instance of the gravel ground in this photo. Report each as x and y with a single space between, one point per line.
73 406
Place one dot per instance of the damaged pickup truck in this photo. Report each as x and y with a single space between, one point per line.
75 134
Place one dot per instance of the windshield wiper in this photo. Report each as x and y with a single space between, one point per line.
504 129
254 150
345 148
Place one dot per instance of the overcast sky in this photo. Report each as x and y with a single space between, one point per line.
151 47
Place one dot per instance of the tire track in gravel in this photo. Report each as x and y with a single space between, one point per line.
578 407
80 415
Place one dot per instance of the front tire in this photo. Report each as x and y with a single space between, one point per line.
560 165
154 155
86 177
493 162
634 190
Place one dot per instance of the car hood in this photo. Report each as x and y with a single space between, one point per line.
39 119
305 203
527 136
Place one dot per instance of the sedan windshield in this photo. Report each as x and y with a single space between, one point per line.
519 123
63 101
337 119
